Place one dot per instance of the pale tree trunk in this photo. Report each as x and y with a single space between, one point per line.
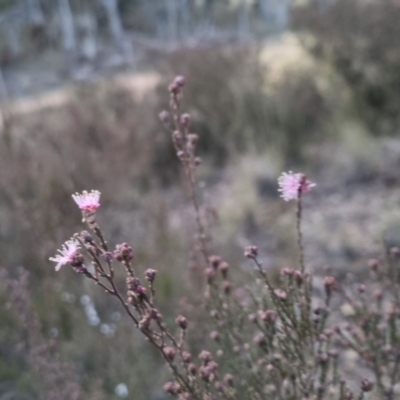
12 31
265 10
87 33
275 12
35 12
67 25
171 8
154 12
243 20
116 28
3 88
322 6
186 7
208 15
282 14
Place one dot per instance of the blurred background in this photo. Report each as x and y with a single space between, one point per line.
272 85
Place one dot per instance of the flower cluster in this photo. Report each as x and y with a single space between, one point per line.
292 185
87 201
68 254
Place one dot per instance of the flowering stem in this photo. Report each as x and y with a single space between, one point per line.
189 167
299 232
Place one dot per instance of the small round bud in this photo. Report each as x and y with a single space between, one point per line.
177 137
366 385
252 318
185 119
198 161
210 274
251 251
192 369
348 395
329 284
280 294
205 356
181 321
193 138
164 116
259 339
228 379
86 237
170 353
172 388
123 252
150 274
186 356
107 256
214 261
298 276
373 264
361 288
214 335
219 387
223 267
377 294
226 287
323 358
269 316
180 81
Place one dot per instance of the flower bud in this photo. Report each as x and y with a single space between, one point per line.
280 294
192 369
252 318
205 356
226 287
164 116
123 252
181 321
210 274
86 237
214 261
185 119
228 379
259 339
150 274
172 388
186 356
366 385
251 251
170 353
214 335
329 284
373 264
223 267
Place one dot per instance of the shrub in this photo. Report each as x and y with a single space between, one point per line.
359 40
236 107
285 336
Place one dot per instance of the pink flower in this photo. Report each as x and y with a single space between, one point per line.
87 201
67 254
291 184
